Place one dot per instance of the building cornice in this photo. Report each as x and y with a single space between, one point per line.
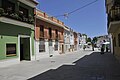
15 22
31 3
49 21
66 28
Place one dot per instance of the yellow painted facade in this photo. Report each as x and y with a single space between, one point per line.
116 47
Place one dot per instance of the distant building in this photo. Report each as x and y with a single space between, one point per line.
75 41
102 39
71 40
83 39
79 40
66 39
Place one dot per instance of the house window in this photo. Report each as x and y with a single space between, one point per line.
119 39
114 41
61 33
8 6
10 49
41 31
56 45
42 45
50 33
56 32
71 46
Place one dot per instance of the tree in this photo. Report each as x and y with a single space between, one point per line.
89 39
94 40
85 37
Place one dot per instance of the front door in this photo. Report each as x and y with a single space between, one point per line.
24 49
114 44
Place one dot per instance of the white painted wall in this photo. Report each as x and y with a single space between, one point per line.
71 39
111 42
39 55
46 47
66 40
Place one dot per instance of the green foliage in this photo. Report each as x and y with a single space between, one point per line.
1 11
89 39
31 20
94 39
14 15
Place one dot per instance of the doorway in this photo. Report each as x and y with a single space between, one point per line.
114 44
62 48
24 48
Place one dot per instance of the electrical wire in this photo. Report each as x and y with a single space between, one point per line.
67 14
82 7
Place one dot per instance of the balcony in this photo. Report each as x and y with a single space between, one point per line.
42 35
46 35
61 38
53 35
56 36
114 19
52 20
17 14
116 2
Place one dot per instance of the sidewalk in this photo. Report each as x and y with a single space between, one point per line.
28 69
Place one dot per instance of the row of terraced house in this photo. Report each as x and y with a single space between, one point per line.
30 34
113 27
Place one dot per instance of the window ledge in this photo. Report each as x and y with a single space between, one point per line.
11 55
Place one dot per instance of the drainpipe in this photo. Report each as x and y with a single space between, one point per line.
35 33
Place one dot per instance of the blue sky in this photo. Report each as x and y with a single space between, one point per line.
90 20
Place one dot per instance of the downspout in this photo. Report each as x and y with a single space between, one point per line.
35 32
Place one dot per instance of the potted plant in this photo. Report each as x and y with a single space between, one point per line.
31 20
14 15
20 15
25 19
1 11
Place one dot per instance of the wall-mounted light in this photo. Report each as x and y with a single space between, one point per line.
1 37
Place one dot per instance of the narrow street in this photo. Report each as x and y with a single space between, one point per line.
60 40
91 67
81 65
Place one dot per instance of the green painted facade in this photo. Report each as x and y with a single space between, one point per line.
9 33
17 4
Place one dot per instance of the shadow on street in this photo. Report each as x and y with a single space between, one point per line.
90 67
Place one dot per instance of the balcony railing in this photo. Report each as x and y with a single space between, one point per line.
61 37
56 37
116 2
114 15
41 34
16 16
46 16
46 35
